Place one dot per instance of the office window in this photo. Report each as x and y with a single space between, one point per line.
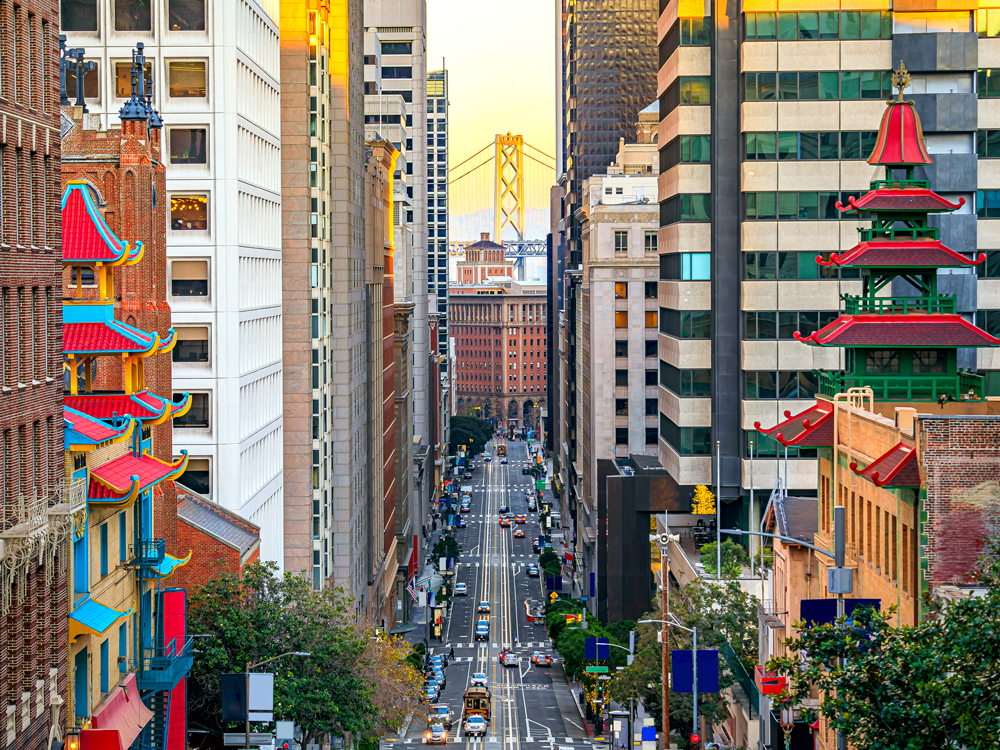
824 85
621 290
687 441
197 416
397 48
197 477
187 79
650 318
988 203
695 31
621 407
133 15
650 377
866 24
192 345
123 78
988 141
795 266
104 549
621 348
621 319
621 378
621 436
771 325
621 242
789 206
650 436
686 207
989 321
91 82
686 267
686 324
78 15
397 71
651 290
650 348
695 90
186 15
188 145
785 384
189 278
856 144
686 383
988 83
651 243
188 212
652 405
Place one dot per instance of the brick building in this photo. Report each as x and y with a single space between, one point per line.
221 540
35 519
484 261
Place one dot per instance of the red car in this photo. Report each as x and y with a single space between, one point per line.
504 521
541 660
519 533
521 519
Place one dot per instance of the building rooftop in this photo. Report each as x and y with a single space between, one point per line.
218 522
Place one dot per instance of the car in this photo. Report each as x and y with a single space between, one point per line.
436 735
479 679
524 470
521 518
532 570
438 661
519 533
487 457
461 523
430 694
483 630
503 460
536 545
461 589
504 509
508 659
466 506
475 725
504 521
439 678
541 660
440 714
532 506
483 607
467 474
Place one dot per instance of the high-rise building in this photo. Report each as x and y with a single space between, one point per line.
766 120
437 201
220 98
33 561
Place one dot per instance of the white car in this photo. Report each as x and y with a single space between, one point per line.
479 679
475 725
461 589
487 457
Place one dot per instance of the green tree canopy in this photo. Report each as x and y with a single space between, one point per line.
469 431
733 556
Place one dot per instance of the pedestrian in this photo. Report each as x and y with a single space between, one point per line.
451 653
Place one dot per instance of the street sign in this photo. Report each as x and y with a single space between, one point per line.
604 677
708 671
239 739
539 484
597 670
596 648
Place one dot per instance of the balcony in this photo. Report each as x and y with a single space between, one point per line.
906 387
163 668
870 234
151 553
901 185
941 304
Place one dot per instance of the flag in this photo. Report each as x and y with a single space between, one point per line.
411 590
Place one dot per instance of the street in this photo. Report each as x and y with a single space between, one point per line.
529 704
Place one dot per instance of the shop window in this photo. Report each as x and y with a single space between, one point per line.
192 345
78 15
197 415
188 145
91 82
187 79
186 15
133 15
188 212
197 477
189 278
123 79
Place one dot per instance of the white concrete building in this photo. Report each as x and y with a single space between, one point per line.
215 67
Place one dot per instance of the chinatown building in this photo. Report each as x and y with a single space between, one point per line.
129 652
907 441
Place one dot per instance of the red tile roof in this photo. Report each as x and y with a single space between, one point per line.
812 428
86 236
113 480
900 253
889 199
897 468
891 331
143 405
108 337
94 430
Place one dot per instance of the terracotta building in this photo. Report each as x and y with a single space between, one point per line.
35 519
484 261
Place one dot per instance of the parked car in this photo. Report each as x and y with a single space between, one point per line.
436 735
479 679
475 725
461 589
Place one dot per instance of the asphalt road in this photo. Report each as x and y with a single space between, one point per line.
530 705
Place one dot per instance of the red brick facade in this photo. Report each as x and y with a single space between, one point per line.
33 636
211 555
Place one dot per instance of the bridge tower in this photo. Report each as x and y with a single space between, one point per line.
509 191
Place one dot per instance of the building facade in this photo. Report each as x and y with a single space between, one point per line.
36 519
437 203
222 148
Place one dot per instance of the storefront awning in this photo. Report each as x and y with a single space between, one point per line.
94 618
117 720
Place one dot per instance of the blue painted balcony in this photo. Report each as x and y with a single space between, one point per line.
151 553
163 668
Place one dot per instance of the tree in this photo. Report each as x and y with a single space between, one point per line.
385 664
471 432
929 686
733 556
704 501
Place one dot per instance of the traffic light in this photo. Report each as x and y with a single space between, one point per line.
695 740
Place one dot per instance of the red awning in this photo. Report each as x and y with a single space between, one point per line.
901 253
896 468
891 331
812 428
117 720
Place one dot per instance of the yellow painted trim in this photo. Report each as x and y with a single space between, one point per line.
125 502
87 447
77 628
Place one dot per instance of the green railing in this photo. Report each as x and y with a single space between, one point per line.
745 681
857 305
905 387
901 184
872 234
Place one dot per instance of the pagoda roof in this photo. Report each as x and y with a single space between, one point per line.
146 406
812 428
894 331
896 468
87 238
111 336
901 254
900 140
120 481
919 200
83 432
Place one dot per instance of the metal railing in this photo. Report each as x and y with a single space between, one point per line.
906 387
31 511
943 304
745 680
871 234
901 184
151 552
162 668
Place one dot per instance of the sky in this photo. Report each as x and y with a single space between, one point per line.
500 56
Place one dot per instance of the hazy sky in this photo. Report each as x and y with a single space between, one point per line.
500 56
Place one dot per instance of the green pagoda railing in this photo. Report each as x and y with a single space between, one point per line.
901 184
871 234
857 305
905 387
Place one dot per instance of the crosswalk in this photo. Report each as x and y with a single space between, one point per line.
478 742
520 645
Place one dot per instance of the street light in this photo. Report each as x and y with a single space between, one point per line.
694 669
247 684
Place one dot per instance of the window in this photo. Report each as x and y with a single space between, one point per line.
621 348
187 79
807 86
188 212
687 441
650 242
78 15
791 206
765 446
104 549
686 267
796 265
621 436
133 15
929 360
122 537
687 207
189 278
652 405
882 361
988 83
86 277
810 146
650 348
197 478
695 31
650 318
987 22
621 378
768 384
91 82
621 407
989 321
766 325
695 90
105 667
866 24
188 145
686 324
650 377
186 15
651 290
686 149
686 383
988 141
123 647
621 290
988 204
197 415
192 345
397 48
123 78
397 71
621 319
621 242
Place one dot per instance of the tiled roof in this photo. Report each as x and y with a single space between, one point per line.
143 405
113 480
108 337
888 199
86 236
891 331
897 468
82 427
900 137
812 428
216 521
901 253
